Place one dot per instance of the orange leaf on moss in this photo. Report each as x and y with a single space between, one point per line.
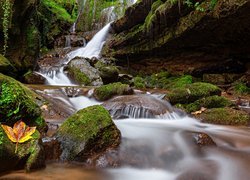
20 132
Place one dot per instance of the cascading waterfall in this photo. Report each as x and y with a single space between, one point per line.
92 49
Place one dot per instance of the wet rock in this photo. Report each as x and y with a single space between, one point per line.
125 78
30 155
17 102
52 149
137 106
88 133
72 40
105 92
109 74
203 140
33 78
224 116
220 79
192 92
82 72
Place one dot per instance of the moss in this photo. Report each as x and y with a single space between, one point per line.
86 123
5 65
225 116
109 74
209 102
18 102
105 92
179 82
241 88
192 92
139 82
86 133
79 76
57 7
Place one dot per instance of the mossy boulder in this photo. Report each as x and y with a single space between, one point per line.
17 102
5 65
87 133
105 92
225 116
33 78
29 155
192 92
108 73
208 102
80 70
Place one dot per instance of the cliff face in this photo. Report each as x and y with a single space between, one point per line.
34 24
180 34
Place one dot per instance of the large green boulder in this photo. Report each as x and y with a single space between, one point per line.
87 133
29 155
192 92
17 102
106 92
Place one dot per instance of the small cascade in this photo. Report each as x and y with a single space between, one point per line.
92 49
67 41
107 15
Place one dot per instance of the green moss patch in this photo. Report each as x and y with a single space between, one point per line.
192 92
87 132
17 102
105 92
79 76
225 116
208 102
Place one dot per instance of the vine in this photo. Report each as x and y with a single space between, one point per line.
6 6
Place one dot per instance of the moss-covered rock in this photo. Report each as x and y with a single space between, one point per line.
33 78
87 133
80 70
105 92
5 65
109 74
192 92
17 102
208 102
30 155
225 116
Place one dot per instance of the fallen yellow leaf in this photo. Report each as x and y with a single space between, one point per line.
20 132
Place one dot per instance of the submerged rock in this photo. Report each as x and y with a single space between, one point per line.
87 134
137 106
105 92
30 155
17 102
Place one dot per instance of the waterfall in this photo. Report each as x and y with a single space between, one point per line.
92 49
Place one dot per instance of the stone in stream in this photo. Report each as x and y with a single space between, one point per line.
137 106
106 92
87 134
80 70
33 78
